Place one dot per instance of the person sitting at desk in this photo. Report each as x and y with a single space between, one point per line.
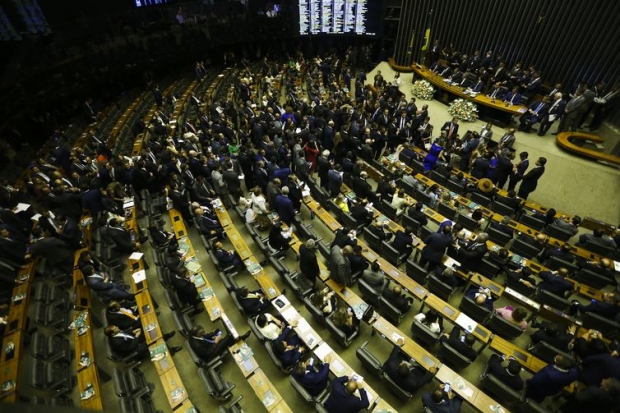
571 226
357 260
161 238
211 345
516 316
462 343
508 375
186 290
510 200
173 260
513 97
345 320
126 342
594 398
470 256
597 237
497 91
288 347
377 229
278 238
535 113
344 237
360 212
555 334
400 201
208 226
503 226
226 258
124 318
481 296
431 320
551 379
441 401
609 307
374 276
252 302
407 376
312 380
590 343
555 282
403 242
417 212
397 298
105 288
342 398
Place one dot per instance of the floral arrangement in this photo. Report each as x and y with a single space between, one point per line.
422 89
464 110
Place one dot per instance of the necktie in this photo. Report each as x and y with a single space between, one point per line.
402 123
540 105
451 131
494 93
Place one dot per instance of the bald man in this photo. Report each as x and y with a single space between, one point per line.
343 399
398 299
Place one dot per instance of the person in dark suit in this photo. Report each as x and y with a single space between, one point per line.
186 290
555 282
312 380
503 226
277 240
105 288
288 347
211 345
440 401
520 168
360 213
361 187
463 344
535 113
436 245
551 379
597 367
334 179
121 237
603 398
13 246
126 342
397 298
416 212
530 180
609 307
226 258
69 232
481 296
308 263
161 238
403 242
452 129
57 254
343 399
124 318
231 178
405 375
284 207
252 302
323 167
509 375
470 256
208 225
377 229
555 334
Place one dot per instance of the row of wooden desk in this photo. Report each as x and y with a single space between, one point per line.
260 383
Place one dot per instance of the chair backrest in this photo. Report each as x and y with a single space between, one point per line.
481 199
557 232
524 249
276 360
334 208
476 312
409 188
389 210
416 272
438 178
341 337
496 387
519 287
301 389
504 328
547 352
498 237
597 248
391 254
278 265
423 197
424 335
439 288
223 389
468 222
369 293
532 222
237 303
407 221
194 356
607 327
446 210
554 263
372 240
455 186
488 269
406 159
349 222
417 166
401 393
453 357
502 208
592 279
316 312
324 250
368 360
393 314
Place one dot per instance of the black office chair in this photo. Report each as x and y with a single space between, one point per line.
416 272
340 335
316 312
389 211
440 288
495 387
407 221
50 348
368 292
423 197
304 393
468 222
483 200
504 328
477 312
425 232
404 158
424 335
501 208
532 222
51 377
276 360
438 178
530 406
299 284
417 166
335 209
599 249
452 357
368 360
555 263
524 249
498 237
447 211
175 304
455 186
401 393
350 222
131 383
547 352
592 279
130 360
557 232
609 328
391 254
214 383
393 314
520 287
182 322
372 240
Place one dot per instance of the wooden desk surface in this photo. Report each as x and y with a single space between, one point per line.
323 215
173 387
238 242
249 366
266 391
267 285
411 348
303 329
447 311
223 218
465 389
524 358
90 377
148 318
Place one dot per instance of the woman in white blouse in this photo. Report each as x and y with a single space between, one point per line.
259 206
269 326
430 320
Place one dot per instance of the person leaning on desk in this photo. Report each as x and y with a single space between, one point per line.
442 400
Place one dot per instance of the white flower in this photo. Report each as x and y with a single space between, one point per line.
422 89
463 110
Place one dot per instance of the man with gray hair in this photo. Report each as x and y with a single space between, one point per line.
308 264
339 265
284 207
555 111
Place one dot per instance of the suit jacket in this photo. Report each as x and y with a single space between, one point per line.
127 345
186 290
455 342
402 241
206 347
416 378
471 255
496 369
513 98
361 188
508 140
339 266
340 401
207 224
232 181
314 381
446 405
55 251
399 301
308 263
253 305
122 321
446 126
436 245
530 180
554 283
121 238
591 399
548 381
285 209
334 182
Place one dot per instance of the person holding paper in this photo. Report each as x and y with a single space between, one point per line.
442 400
105 288
211 345
409 377
312 379
186 290
127 342
343 398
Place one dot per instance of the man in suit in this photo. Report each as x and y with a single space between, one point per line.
572 113
226 258
470 256
339 265
231 178
481 296
598 237
343 399
13 245
334 178
208 225
311 379
513 97
530 180
360 213
284 207
252 302
416 212
555 334
288 347
556 110
555 282
436 245
508 140
57 254
126 342
308 263
274 188
186 290
441 401
462 343
361 187
374 276
121 237
397 298
211 345
69 232
452 129
608 307
509 375
323 167
535 113
105 288
518 171
407 376
603 398
403 242
563 253
551 379
503 226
